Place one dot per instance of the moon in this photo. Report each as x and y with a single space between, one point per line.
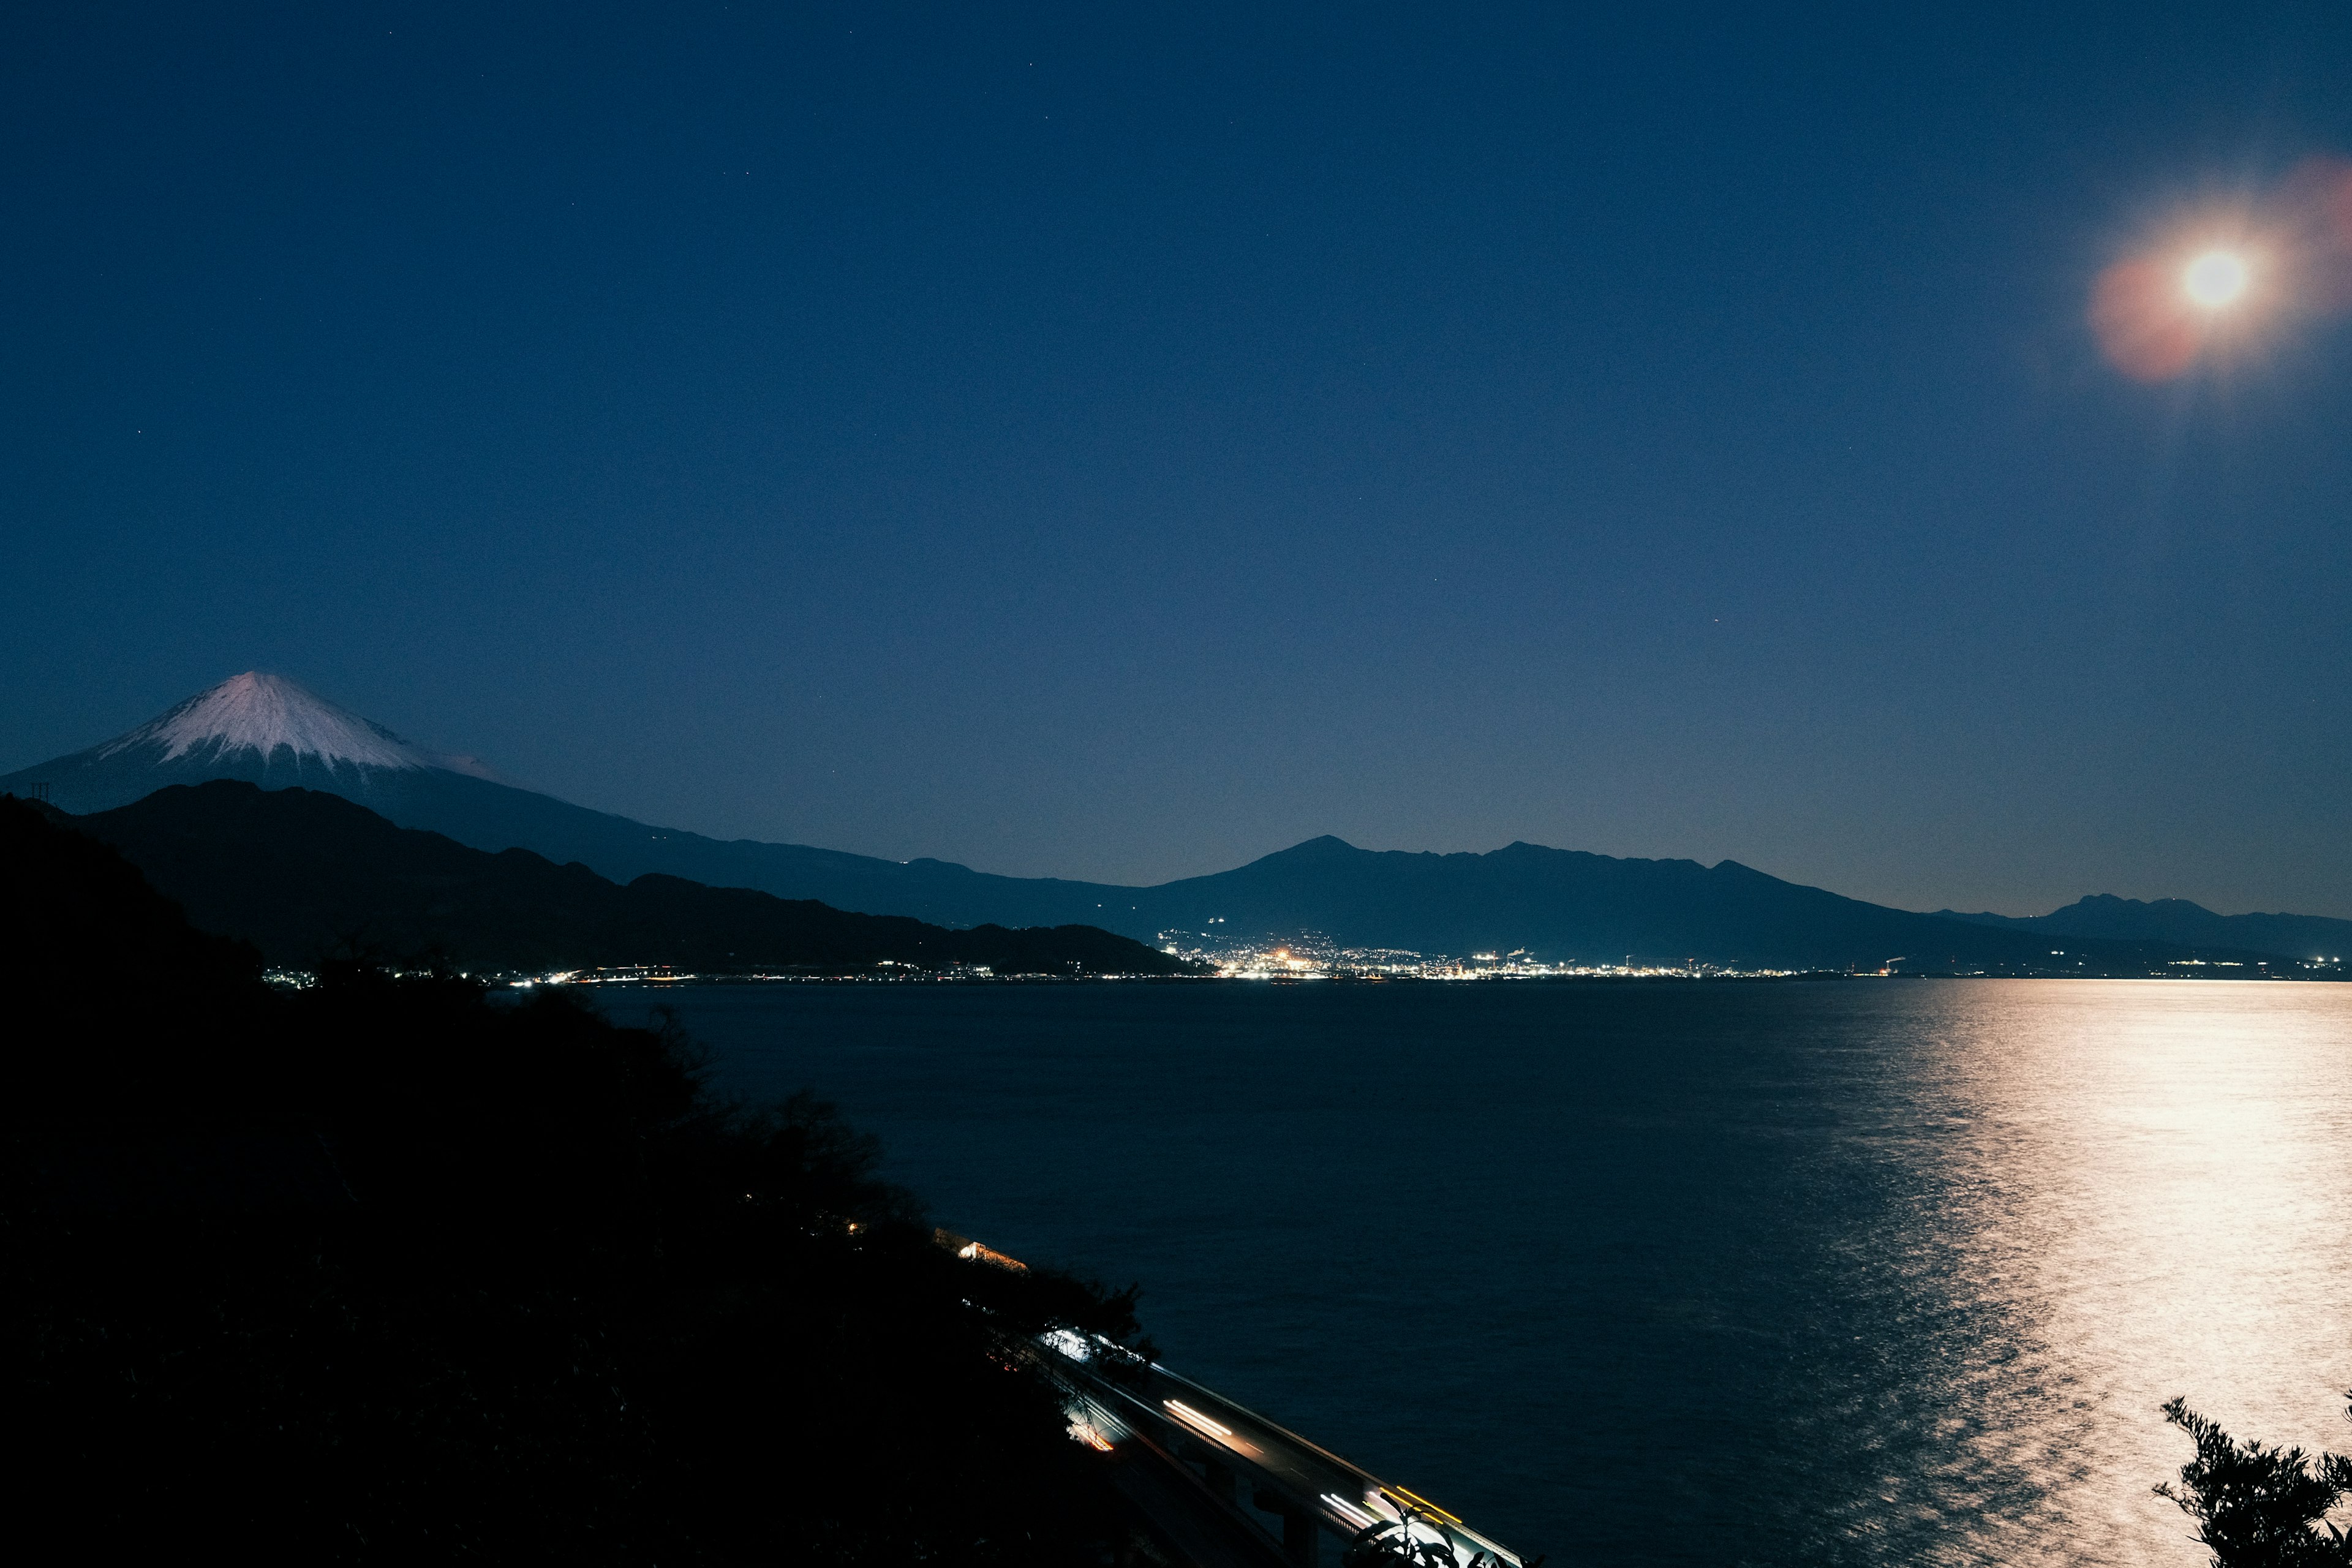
2216 279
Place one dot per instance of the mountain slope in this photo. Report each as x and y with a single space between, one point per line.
303 874
2103 915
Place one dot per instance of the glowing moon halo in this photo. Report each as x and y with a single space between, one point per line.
2215 279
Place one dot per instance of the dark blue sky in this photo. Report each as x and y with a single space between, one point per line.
1120 442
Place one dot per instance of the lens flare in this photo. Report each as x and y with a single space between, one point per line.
2216 280
2144 323
2233 280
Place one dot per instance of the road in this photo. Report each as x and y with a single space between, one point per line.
1238 1457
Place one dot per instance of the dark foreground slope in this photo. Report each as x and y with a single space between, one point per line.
303 875
382 1272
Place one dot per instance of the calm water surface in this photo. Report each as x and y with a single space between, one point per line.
1865 1272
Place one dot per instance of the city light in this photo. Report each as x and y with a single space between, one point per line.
1314 956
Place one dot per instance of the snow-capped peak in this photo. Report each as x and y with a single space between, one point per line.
263 712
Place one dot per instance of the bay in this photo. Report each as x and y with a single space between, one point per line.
1857 1272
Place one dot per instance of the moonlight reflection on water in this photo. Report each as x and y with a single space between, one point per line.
1870 1272
2148 1183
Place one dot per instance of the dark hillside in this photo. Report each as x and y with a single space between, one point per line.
466 1282
303 874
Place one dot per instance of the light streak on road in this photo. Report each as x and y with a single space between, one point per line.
1126 1402
1424 1505
1193 1418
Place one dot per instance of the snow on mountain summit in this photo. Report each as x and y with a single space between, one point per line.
263 730
261 714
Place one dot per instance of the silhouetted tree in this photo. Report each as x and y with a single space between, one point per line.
2259 1507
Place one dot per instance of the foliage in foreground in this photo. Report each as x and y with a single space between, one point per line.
385 1271
2259 1507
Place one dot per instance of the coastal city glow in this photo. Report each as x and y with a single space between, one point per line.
1312 956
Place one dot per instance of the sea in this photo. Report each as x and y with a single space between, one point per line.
1861 1271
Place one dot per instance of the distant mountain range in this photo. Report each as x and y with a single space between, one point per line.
304 874
2108 918
1556 904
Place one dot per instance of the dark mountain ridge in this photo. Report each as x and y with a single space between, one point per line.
2104 915
1569 905
302 875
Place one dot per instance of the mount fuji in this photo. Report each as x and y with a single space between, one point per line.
262 729
266 730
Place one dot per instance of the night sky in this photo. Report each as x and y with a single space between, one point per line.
1120 442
